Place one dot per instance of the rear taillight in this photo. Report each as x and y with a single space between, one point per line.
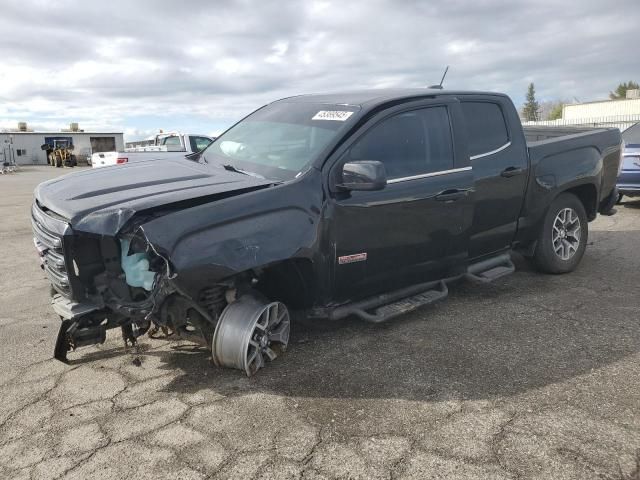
122 160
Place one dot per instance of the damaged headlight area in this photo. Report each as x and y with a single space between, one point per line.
133 288
125 289
124 282
136 267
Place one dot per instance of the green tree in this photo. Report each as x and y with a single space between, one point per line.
531 108
621 90
556 112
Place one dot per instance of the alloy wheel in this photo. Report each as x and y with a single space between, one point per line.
566 233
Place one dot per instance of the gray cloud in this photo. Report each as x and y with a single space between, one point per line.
105 62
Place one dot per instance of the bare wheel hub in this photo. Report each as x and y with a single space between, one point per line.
249 333
565 234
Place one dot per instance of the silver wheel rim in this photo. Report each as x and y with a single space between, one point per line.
250 333
566 232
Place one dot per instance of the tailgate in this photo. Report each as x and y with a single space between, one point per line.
103 159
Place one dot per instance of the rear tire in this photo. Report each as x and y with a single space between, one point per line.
563 237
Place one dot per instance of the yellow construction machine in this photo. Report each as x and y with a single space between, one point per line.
60 154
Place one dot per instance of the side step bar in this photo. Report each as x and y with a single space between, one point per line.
408 304
384 307
491 269
390 305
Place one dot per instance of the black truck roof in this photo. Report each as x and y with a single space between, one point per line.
374 97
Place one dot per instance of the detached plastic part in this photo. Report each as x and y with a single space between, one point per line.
136 268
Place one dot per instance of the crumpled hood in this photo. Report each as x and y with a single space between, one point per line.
102 200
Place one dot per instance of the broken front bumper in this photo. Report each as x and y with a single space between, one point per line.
71 333
70 310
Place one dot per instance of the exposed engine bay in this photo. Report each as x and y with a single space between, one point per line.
132 288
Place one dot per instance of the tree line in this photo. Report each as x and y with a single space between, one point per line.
532 110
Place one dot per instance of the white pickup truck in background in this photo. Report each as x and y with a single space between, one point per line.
153 149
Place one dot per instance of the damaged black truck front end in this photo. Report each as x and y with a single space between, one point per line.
105 240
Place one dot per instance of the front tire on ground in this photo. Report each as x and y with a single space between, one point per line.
563 237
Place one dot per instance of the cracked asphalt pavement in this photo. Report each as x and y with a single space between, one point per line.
533 376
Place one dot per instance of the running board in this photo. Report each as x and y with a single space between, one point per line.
491 269
388 306
384 307
407 305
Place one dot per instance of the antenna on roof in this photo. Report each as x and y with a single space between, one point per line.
439 86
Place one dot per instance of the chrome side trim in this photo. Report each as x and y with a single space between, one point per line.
492 152
426 175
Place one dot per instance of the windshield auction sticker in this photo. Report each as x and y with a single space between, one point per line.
335 115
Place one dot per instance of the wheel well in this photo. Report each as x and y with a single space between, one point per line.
588 195
290 281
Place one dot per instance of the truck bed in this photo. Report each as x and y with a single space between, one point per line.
576 147
534 133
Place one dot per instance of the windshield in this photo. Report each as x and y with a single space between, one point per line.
280 140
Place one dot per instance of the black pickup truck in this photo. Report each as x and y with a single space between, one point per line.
364 203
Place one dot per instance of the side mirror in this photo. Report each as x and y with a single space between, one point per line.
363 175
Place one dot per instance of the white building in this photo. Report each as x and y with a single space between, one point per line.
604 108
23 147
623 114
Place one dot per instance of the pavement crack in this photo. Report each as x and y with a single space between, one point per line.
85 460
43 396
499 437
400 466
312 451
111 442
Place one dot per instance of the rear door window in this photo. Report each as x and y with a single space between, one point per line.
486 127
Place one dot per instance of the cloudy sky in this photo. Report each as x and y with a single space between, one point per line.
197 66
